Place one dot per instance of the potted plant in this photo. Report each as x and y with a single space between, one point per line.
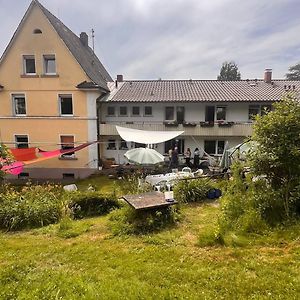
207 124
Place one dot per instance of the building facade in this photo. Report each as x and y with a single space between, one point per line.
55 93
211 113
50 80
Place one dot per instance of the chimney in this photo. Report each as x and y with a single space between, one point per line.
268 76
120 78
84 39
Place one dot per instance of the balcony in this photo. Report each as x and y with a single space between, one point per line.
236 129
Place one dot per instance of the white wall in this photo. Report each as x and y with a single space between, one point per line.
194 112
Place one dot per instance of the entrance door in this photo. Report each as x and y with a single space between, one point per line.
180 114
210 114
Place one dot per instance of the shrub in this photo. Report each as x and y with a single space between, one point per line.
130 221
91 203
192 190
134 184
32 206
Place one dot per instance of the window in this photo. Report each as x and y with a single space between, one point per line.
258 109
49 64
19 104
135 111
265 109
214 147
221 113
29 64
210 114
111 145
67 142
179 143
68 175
148 111
210 147
180 114
123 145
21 141
66 104
37 31
123 111
23 175
169 113
220 147
110 110
139 145
253 111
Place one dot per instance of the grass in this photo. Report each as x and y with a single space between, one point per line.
82 260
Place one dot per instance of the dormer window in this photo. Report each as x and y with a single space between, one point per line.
37 31
29 65
49 64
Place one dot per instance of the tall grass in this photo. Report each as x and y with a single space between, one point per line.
31 206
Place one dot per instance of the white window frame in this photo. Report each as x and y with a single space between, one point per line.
24 58
111 141
216 112
60 96
148 115
121 115
21 135
13 97
135 115
111 115
66 156
47 57
216 146
174 114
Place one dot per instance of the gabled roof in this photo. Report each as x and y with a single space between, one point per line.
84 55
203 90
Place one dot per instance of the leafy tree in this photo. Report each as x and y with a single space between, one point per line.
229 71
294 72
277 155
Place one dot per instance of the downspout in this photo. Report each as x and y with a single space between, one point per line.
98 111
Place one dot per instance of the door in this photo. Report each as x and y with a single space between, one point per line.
210 114
180 114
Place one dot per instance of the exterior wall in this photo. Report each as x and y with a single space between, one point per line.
189 142
193 136
43 123
194 112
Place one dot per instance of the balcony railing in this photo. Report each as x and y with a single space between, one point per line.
237 129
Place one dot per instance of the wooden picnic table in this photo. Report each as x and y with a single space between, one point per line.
148 200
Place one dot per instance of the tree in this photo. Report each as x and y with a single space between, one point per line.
294 72
277 155
229 71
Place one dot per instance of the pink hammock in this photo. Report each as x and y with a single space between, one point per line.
16 167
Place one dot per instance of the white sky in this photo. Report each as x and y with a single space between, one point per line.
178 39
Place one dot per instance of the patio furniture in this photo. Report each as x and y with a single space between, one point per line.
150 200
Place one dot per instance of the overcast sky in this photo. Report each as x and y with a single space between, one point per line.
178 39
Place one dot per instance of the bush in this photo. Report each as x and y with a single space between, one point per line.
32 206
192 190
130 221
91 203
135 184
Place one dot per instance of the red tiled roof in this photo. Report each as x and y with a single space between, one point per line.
203 90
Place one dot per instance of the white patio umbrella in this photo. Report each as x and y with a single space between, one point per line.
144 156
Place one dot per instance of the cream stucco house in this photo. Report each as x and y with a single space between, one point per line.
49 82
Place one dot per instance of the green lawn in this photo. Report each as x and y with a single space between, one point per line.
82 260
